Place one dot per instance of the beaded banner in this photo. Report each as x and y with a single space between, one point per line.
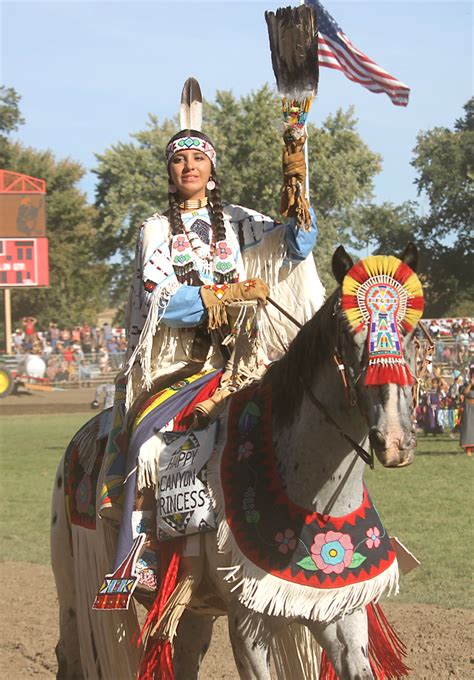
383 294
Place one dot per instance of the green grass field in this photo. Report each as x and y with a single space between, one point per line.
428 505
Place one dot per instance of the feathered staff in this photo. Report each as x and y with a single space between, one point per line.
190 112
293 36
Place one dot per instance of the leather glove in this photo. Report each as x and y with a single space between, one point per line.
293 202
216 297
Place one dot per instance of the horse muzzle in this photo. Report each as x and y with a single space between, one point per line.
392 452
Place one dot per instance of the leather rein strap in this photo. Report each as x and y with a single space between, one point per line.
367 457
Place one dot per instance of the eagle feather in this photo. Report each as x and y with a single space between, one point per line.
190 113
293 35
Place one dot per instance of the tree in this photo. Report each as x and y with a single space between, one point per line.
342 169
10 120
78 277
444 161
132 178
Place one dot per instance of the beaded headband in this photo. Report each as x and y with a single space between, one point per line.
191 143
383 294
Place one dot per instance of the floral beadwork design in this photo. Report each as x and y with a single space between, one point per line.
252 515
222 250
373 540
286 540
332 551
180 243
245 450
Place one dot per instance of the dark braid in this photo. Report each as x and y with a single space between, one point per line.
217 212
176 222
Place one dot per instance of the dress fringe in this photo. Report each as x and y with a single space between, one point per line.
143 351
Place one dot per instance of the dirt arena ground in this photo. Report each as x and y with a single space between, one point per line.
439 640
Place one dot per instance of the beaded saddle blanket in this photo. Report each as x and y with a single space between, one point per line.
290 561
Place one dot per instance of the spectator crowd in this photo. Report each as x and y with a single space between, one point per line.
453 340
445 404
71 354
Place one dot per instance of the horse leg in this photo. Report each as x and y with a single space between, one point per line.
250 641
67 649
192 641
346 644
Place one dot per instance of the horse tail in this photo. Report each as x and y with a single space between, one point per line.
296 653
93 644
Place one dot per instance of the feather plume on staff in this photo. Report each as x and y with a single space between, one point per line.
293 36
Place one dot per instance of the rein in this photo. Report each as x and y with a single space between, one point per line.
367 457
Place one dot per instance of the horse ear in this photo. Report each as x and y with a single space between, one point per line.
410 256
341 263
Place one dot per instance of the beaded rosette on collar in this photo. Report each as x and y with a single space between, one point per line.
383 294
191 143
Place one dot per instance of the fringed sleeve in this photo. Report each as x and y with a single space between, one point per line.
153 286
295 285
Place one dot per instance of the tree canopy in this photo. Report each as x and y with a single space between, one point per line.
444 162
10 120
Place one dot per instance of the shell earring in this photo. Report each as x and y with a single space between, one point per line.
172 189
211 185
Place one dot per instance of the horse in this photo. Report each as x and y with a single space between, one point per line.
323 416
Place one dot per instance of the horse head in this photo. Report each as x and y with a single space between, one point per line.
377 312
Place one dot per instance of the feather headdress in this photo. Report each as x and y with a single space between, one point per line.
385 295
190 112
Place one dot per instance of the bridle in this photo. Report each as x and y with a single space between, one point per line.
349 382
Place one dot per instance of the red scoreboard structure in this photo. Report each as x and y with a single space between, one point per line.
23 242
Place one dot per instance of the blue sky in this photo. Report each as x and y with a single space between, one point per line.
90 72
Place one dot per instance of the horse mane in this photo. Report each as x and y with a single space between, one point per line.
307 352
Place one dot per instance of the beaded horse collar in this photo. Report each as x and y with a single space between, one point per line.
383 295
288 560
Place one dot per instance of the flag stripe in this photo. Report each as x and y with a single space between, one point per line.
336 51
365 76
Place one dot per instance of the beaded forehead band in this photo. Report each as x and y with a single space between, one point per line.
193 144
384 295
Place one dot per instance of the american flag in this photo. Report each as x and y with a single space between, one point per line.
335 50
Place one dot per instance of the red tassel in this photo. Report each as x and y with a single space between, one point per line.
383 374
326 670
386 650
157 660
